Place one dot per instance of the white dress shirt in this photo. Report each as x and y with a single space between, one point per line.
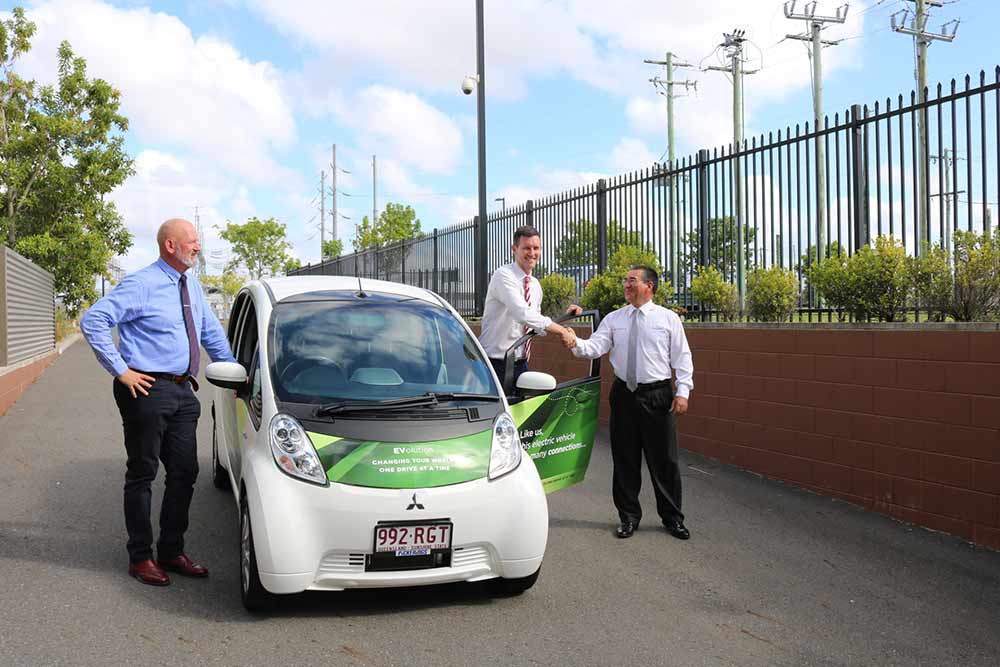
661 346
506 313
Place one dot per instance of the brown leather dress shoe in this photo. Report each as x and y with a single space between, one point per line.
148 572
184 566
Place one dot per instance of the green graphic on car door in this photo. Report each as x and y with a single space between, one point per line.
557 432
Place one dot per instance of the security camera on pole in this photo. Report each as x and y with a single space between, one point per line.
469 83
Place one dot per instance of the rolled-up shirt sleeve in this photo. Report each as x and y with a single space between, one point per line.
511 294
123 304
681 361
595 346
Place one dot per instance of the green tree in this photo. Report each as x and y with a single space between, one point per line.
291 264
397 223
61 153
722 243
228 284
332 249
579 246
259 245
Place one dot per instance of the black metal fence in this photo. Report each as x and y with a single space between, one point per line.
774 200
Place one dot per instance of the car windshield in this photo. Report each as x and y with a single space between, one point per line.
372 349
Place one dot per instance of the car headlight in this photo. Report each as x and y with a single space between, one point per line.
293 451
505 450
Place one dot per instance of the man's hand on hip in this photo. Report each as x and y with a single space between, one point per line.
679 406
136 381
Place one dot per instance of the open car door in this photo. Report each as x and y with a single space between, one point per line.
557 427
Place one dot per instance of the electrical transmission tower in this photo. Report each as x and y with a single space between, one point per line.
732 46
813 38
917 28
666 88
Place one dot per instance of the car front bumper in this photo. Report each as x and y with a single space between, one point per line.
317 538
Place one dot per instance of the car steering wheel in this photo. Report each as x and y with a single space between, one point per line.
293 370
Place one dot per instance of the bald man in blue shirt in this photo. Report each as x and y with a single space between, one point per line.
163 320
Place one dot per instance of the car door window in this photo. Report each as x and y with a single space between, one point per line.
247 344
233 330
255 401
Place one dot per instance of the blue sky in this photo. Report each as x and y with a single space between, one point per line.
234 104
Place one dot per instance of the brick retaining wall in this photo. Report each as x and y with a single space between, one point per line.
902 421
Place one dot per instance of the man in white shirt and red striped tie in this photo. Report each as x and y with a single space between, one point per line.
514 306
649 354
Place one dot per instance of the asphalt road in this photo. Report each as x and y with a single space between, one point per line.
771 576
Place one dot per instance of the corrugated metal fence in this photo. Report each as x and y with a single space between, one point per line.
27 309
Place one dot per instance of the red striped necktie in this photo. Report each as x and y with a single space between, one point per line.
527 300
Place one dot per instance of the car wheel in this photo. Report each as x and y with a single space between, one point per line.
220 476
255 597
515 586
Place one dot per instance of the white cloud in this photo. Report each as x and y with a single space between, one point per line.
631 154
196 94
401 124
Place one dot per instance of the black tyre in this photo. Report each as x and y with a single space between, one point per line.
512 587
220 476
255 597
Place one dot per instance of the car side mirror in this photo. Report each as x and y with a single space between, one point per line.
227 374
534 383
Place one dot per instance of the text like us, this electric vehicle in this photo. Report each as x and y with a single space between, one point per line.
368 442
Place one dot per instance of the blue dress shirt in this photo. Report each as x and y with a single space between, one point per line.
146 308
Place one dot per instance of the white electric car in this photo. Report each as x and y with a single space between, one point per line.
367 443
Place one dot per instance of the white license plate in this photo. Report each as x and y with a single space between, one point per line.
412 539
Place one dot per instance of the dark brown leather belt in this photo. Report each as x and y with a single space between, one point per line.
179 379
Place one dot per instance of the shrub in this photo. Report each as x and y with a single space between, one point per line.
976 295
558 292
711 289
831 279
932 282
604 292
879 280
772 294
874 283
64 324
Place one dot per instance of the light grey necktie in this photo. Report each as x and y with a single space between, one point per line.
631 376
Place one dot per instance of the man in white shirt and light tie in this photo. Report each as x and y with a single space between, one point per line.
649 353
514 306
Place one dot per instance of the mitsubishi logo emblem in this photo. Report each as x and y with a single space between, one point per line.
414 505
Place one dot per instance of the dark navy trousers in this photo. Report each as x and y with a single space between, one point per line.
160 427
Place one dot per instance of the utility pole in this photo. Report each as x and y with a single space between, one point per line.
667 90
813 37
733 45
200 268
333 191
918 30
322 215
949 196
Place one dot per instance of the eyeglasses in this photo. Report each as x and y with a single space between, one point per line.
634 281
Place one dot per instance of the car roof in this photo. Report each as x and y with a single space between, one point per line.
289 286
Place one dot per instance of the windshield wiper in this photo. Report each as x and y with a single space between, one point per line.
465 396
430 399
342 407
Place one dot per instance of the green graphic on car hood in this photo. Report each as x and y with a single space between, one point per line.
393 465
557 431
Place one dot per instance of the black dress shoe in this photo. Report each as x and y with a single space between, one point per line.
626 529
676 528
